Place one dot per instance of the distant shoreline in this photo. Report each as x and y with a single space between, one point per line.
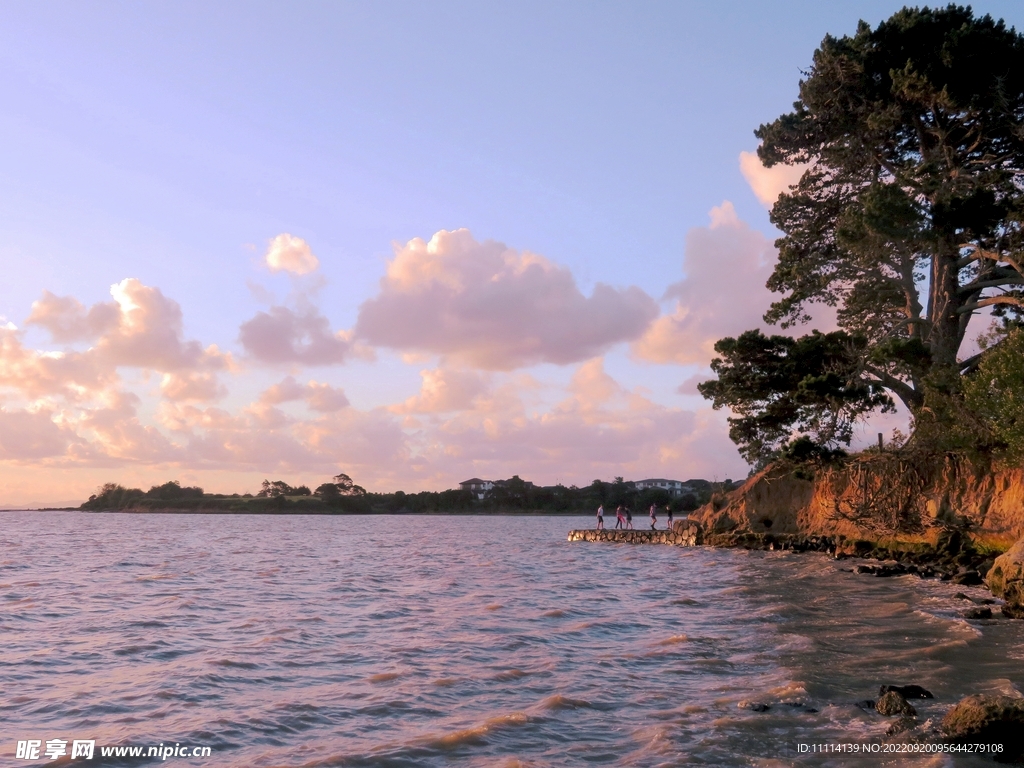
290 513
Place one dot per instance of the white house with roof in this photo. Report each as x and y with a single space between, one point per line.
675 487
476 486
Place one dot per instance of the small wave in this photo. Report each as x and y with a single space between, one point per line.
494 607
558 702
131 650
475 736
384 677
512 674
684 601
446 682
231 664
674 640
555 614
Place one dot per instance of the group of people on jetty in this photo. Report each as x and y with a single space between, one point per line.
624 517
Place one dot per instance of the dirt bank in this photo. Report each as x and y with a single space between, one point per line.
890 499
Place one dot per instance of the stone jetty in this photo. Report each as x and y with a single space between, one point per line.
684 533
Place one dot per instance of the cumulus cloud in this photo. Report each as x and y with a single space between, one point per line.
769 183
444 390
67 319
31 436
191 386
287 253
491 307
282 336
599 429
727 265
34 374
319 397
140 328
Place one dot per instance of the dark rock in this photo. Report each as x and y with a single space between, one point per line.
988 720
907 691
865 704
755 706
900 726
962 596
891 703
1013 612
978 613
968 577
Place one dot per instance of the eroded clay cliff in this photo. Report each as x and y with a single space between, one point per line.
877 496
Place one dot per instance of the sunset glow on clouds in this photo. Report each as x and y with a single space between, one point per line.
125 388
507 250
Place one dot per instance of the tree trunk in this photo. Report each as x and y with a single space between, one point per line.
944 339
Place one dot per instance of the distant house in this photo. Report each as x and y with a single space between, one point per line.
675 487
476 486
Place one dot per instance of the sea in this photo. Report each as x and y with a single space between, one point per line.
393 641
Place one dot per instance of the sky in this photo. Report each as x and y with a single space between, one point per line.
412 242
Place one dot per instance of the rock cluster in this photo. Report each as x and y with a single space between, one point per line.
988 720
893 703
1006 579
686 537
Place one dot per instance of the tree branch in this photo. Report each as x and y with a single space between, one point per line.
910 396
1015 301
979 285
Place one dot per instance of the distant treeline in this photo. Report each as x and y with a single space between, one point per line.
342 496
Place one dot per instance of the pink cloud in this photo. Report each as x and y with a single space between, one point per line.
492 307
149 333
34 374
68 320
319 397
140 328
192 386
727 265
283 336
287 253
444 390
769 183
31 436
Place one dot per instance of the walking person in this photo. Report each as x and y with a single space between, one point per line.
668 511
600 518
629 518
620 521
654 517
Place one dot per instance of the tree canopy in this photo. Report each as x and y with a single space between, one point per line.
908 217
778 384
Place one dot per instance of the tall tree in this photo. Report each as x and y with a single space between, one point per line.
909 217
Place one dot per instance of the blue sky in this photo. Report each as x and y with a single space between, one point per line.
170 142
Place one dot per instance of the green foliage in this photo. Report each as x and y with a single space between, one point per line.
113 496
342 486
172 491
914 136
776 385
995 392
804 450
274 489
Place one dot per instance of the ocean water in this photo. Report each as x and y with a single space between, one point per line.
460 641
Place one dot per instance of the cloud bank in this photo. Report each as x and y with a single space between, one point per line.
492 307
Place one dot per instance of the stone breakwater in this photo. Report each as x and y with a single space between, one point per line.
682 534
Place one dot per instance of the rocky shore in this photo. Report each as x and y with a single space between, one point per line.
898 514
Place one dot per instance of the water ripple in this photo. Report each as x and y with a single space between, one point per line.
339 641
